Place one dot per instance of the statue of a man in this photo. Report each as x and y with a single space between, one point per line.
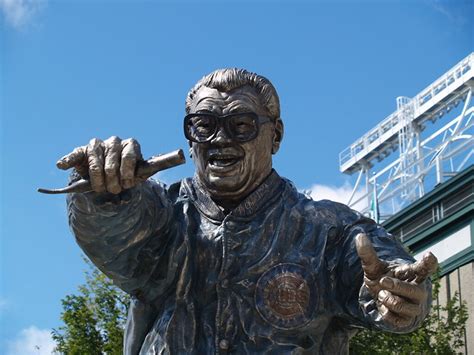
235 259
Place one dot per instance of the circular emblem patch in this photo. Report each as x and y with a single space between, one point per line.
285 296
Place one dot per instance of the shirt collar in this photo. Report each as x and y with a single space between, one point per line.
271 187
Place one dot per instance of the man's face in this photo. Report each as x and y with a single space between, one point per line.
229 169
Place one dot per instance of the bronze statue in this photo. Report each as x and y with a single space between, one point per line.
235 259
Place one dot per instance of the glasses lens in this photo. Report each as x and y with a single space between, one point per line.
200 128
243 126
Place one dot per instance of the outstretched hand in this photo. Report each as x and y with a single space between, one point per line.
397 289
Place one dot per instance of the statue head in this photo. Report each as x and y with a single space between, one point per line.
233 126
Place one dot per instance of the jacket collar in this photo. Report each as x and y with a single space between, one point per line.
270 188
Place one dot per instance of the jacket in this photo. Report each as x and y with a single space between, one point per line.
278 274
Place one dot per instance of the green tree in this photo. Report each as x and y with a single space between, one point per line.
94 319
442 332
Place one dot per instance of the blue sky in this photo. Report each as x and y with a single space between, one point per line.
74 70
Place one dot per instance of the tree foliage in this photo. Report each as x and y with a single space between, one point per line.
442 332
94 319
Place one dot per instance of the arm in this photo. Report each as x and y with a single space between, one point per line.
127 228
127 235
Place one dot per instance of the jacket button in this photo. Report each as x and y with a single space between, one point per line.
224 344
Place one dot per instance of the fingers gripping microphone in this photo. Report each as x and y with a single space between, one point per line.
144 170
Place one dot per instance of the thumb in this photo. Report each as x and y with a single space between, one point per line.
373 267
77 157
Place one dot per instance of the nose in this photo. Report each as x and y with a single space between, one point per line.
221 137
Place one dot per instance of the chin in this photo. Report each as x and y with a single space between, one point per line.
225 184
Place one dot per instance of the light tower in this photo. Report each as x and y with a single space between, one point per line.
433 134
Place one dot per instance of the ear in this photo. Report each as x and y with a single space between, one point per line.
277 135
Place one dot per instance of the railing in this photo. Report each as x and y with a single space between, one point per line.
445 81
386 129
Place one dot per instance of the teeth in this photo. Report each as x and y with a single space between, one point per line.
221 162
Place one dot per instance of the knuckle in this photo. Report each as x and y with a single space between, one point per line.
402 271
370 282
129 156
112 142
111 169
114 139
135 144
389 300
77 150
383 295
383 310
95 170
397 306
95 142
131 144
95 153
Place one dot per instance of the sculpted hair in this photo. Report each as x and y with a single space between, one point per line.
228 79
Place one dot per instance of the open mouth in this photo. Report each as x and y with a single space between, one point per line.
221 161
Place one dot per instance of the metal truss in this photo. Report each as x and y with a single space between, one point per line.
427 154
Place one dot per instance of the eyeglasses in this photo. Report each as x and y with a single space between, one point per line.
241 127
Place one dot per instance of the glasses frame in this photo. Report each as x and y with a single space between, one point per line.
223 121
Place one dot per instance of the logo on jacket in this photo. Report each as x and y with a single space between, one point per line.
285 296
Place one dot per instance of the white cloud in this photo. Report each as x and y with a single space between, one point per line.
453 10
18 13
336 193
32 341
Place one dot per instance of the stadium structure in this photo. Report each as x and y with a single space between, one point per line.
415 175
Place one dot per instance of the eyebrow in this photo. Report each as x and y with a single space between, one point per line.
238 107
231 104
232 107
204 110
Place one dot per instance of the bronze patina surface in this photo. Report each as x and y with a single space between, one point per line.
235 259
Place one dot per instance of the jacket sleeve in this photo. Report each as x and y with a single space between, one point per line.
131 237
357 303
